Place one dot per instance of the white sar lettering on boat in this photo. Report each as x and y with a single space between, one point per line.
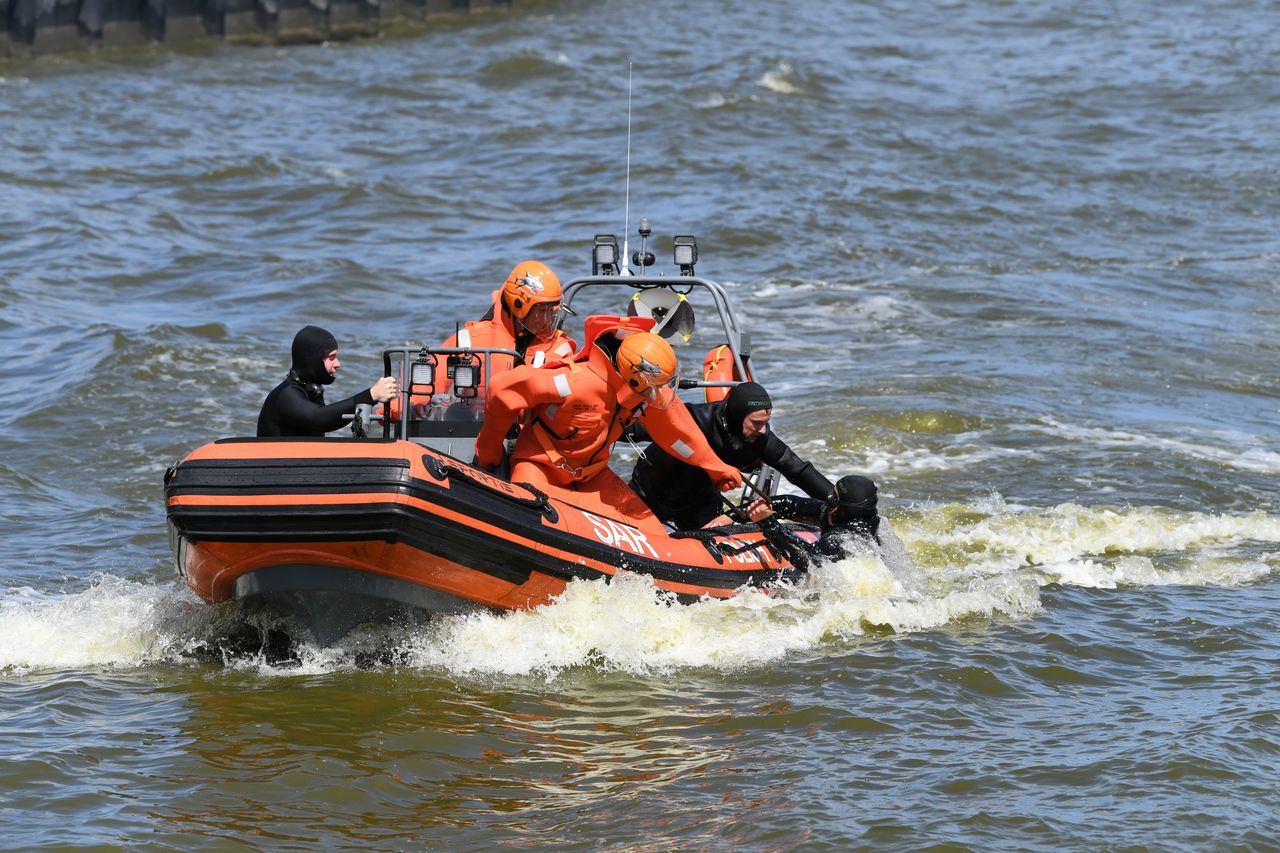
751 555
618 535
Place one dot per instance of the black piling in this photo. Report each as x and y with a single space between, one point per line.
38 27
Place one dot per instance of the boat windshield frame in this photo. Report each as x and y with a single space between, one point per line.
399 361
739 341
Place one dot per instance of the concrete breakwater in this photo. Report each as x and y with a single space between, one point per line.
36 27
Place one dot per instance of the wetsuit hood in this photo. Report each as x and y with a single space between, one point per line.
310 346
744 398
854 500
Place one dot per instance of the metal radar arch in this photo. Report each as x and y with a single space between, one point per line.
670 300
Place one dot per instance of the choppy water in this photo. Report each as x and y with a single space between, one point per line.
1018 262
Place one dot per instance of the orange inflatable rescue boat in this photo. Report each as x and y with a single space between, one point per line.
340 531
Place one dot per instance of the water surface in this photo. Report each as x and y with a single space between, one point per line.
1018 264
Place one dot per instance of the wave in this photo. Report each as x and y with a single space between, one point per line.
952 563
785 79
1096 546
1234 450
523 67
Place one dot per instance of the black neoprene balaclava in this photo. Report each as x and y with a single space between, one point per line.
310 346
854 501
744 398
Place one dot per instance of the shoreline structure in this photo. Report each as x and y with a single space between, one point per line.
41 27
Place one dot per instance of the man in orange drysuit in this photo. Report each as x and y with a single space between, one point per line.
575 412
522 318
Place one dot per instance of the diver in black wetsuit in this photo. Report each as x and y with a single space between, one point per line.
737 428
296 406
847 516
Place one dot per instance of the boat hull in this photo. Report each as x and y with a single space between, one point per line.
338 531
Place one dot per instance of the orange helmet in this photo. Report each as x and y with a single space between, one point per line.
647 363
529 284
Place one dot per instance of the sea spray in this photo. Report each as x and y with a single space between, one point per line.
1091 545
112 623
936 565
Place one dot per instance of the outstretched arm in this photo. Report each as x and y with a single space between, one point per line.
797 508
798 551
298 413
799 472
675 431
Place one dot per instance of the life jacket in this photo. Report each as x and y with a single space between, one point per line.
719 366
574 412
496 330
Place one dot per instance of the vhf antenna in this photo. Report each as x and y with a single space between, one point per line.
626 214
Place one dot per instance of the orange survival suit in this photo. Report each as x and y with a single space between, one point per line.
497 330
575 411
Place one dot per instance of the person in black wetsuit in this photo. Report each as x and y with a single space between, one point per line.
737 428
296 406
848 516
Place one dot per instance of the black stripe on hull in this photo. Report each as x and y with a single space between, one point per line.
427 531
297 476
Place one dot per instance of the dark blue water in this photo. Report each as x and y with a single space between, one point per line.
1017 263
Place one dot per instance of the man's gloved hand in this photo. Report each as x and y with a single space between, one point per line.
786 506
726 477
483 465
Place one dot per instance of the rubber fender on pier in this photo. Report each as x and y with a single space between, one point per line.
112 23
353 18
399 11
34 27
173 20
4 28
45 26
297 21
439 7
235 20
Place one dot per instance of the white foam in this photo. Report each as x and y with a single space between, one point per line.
781 79
1241 451
888 462
630 626
1097 546
1141 571
976 560
113 623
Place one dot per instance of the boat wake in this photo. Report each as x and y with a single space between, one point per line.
946 564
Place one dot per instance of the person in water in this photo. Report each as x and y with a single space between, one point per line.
847 517
523 317
737 428
296 406
573 413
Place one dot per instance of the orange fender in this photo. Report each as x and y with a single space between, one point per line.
718 366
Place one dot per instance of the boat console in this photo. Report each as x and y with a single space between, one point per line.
444 408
